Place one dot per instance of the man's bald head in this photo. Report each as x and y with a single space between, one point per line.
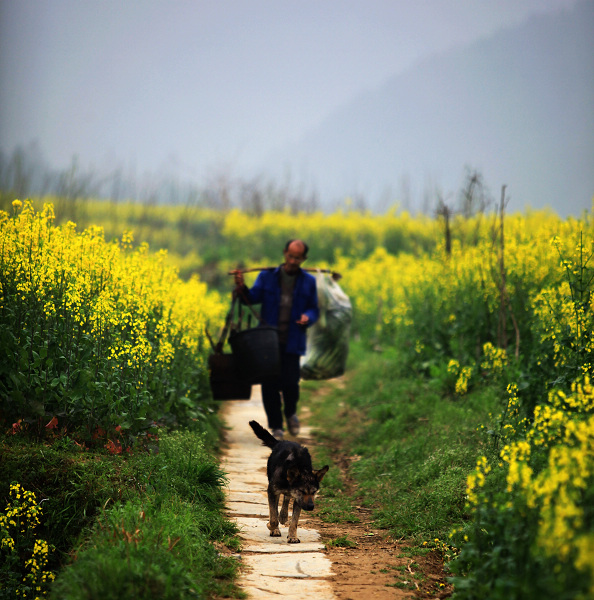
295 253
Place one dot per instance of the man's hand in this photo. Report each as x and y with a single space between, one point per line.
304 320
238 277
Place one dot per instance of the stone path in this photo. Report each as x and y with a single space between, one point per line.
272 568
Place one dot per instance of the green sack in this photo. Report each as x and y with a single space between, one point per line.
328 339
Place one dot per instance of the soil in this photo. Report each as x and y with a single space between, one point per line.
380 568
377 567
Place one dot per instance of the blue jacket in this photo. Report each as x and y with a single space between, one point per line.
267 291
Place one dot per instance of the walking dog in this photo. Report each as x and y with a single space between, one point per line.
290 473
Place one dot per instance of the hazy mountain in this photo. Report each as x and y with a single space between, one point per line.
518 107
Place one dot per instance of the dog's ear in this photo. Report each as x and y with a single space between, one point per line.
321 472
292 474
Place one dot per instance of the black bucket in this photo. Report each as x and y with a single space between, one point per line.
256 353
224 382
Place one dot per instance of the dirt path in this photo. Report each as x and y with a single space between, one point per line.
375 568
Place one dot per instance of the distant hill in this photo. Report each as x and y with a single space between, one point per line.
518 107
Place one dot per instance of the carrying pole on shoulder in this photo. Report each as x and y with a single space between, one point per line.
336 276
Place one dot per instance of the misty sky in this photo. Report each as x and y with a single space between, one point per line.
196 86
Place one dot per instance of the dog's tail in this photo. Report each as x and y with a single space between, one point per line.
267 438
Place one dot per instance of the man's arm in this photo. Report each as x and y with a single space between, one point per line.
312 311
253 295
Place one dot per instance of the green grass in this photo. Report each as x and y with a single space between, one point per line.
412 443
335 505
342 541
149 548
144 525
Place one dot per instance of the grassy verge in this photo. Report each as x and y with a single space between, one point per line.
409 445
146 525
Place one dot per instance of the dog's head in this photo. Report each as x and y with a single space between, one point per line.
305 484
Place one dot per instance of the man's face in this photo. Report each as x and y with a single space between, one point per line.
294 256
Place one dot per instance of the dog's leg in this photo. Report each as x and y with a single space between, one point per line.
292 537
273 510
284 513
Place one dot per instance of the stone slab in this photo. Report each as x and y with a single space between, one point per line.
267 588
248 508
258 497
234 487
247 471
251 496
256 536
297 566
251 457
256 478
258 510
281 546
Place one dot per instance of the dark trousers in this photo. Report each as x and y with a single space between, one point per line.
286 385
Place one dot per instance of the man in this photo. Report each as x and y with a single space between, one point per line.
289 302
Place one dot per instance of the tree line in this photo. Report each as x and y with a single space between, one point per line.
25 173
